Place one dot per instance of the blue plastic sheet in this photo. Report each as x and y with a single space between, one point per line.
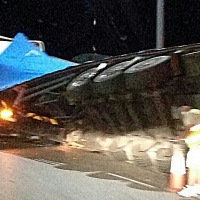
23 61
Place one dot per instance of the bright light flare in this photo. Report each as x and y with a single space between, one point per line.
7 114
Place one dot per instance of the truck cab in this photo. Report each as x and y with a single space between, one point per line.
6 41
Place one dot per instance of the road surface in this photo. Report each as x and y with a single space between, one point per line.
60 172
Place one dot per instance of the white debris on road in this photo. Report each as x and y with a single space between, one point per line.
132 144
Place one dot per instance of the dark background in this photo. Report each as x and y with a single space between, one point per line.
123 26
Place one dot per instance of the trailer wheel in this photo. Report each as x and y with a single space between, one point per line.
111 80
80 87
145 74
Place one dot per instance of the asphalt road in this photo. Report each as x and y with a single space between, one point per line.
31 170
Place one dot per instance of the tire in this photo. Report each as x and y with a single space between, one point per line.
145 74
111 80
80 87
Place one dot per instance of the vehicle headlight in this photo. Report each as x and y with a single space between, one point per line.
7 114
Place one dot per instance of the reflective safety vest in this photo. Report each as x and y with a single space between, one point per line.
193 139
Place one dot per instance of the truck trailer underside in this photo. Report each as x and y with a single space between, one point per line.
117 95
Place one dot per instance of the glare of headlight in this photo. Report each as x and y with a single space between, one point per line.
6 114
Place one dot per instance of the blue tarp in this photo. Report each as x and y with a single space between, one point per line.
23 61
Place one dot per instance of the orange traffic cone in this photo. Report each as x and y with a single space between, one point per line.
177 179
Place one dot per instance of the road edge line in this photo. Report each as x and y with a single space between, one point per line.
131 180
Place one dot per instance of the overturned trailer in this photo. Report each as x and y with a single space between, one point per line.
119 95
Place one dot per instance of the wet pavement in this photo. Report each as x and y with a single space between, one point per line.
26 179
94 164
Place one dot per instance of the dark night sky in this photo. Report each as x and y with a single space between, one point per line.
123 26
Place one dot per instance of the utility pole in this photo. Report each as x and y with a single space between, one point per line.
160 24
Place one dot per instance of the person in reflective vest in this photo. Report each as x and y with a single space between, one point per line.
191 135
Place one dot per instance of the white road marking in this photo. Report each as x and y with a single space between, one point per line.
93 173
55 164
131 180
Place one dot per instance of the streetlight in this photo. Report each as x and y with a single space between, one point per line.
160 24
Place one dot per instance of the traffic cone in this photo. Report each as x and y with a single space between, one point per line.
177 179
